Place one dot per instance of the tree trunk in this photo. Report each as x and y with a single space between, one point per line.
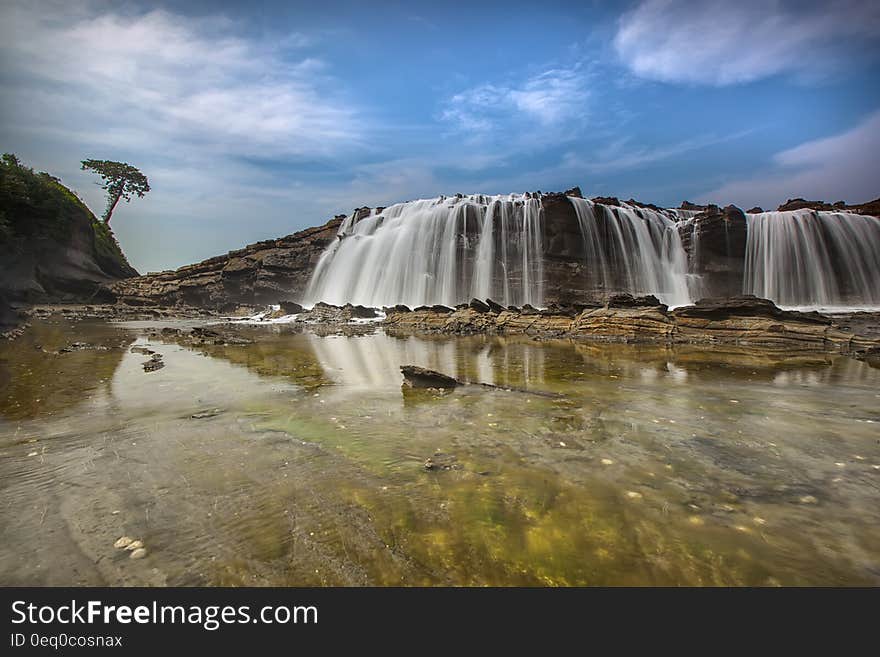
110 208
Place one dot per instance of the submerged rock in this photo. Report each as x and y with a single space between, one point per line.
439 462
419 377
155 363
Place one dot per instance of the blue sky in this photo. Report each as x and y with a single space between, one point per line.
253 120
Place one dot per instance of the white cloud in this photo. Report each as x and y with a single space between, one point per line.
842 167
552 98
185 99
720 42
185 80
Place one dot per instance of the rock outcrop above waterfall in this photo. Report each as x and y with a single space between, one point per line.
871 207
715 241
743 321
266 272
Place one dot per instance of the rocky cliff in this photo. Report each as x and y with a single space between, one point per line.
266 272
713 238
279 270
52 248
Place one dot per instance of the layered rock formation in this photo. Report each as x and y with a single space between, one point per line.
273 271
743 321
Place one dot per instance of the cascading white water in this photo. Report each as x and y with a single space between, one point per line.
436 251
635 250
805 258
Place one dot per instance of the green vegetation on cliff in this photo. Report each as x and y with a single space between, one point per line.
53 246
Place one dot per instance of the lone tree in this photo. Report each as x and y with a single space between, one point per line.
121 180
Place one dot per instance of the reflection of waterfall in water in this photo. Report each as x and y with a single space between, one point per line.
635 250
373 361
813 259
441 250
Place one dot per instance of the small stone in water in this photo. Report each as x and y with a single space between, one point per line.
759 521
122 542
34 454
808 499
696 520
607 462
840 465
140 553
561 444
631 494
134 545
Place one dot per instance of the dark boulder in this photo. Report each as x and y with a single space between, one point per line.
755 210
419 377
495 307
291 308
478 306
744 305
360 312
629 301
437 308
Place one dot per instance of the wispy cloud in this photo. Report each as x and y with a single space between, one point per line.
624 153
841 167
551 98
186 80
187 100
719 42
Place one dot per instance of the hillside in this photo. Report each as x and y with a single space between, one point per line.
52 248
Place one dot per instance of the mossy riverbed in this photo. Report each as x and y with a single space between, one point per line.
299 460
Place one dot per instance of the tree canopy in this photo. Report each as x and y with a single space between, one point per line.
120 179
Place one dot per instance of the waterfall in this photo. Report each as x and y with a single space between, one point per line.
635 250
436 251
805 258
447 250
